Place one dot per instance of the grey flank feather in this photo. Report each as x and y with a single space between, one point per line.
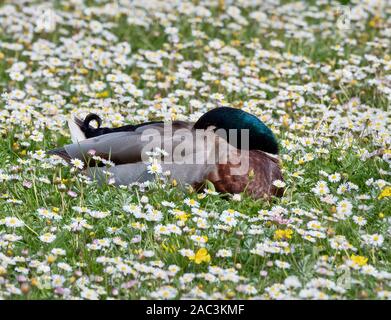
125 174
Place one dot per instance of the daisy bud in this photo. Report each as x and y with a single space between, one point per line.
91 152
25 288
59 291
27 184
72 194
21 278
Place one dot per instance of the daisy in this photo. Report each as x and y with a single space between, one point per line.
335 177
77 163
47 237
373 240
12 222
279 183
191 202
224 253
321 188
359 220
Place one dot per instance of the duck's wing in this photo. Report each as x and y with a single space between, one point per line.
74 125
118 147
122 147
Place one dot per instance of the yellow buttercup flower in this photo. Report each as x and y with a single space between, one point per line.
235 43
375 22
34 282
202 255
183 216
280 234
51 259
263 79
359 260
386 192
83 71
285 120
103 94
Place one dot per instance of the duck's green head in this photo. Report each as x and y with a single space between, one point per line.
260 136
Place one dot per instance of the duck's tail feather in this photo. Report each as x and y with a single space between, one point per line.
81 129
75 127
118 147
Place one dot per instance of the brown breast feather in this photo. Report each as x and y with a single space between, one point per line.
265 170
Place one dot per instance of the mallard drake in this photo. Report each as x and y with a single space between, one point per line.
246 162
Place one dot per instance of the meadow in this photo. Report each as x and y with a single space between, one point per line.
316 72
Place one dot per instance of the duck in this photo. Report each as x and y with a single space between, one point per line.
229 147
